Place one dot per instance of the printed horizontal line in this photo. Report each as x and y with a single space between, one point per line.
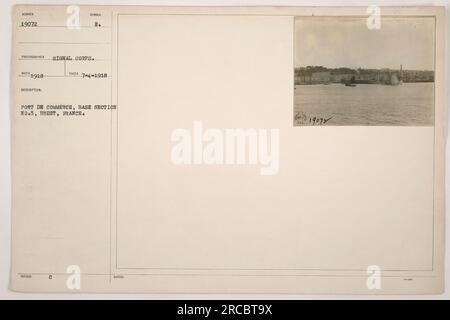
81 27
56 42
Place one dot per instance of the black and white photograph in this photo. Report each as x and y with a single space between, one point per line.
351 73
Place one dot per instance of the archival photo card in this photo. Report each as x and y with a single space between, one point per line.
351 71
153 150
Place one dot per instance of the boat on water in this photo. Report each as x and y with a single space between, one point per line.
351 82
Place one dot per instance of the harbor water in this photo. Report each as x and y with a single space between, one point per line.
408 104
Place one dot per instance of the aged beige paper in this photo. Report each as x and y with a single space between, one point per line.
228 149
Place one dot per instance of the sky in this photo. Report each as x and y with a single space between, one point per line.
348 42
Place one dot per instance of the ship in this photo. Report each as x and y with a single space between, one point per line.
351 82
394 78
